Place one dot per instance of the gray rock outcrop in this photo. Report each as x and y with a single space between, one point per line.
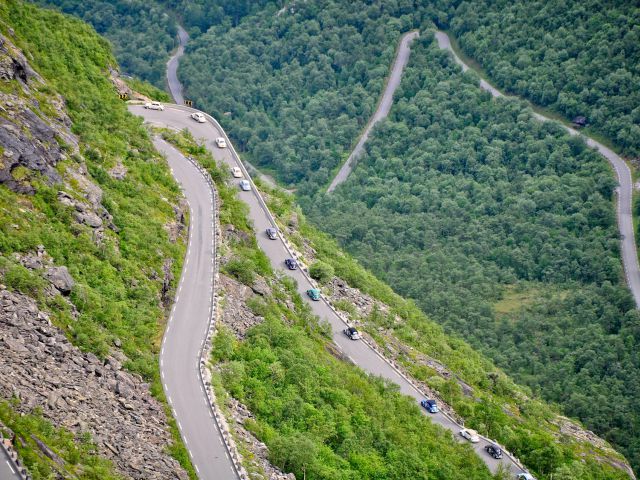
13 64
60 278
27 141
32 143
78 391
236 314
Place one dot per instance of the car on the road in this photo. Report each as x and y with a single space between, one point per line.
198 117
291 263
352 333
245 185
154 106
494 450
470 435
314 294
221 142
272 233
525 476
236 172
430 405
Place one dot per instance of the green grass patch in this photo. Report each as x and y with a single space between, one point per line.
77 454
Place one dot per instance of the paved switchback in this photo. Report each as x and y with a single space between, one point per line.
624 190
402 57
358 352
188 325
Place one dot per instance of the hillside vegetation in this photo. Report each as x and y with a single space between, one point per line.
77 457
319 416
142 32
481 394
575 57
119 275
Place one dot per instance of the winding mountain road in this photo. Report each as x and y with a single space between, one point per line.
402 57
175 87
623 173
188 326
185 333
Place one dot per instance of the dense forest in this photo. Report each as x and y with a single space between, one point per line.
295 89
501 228
141 32
575 57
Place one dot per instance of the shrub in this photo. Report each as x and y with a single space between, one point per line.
322 272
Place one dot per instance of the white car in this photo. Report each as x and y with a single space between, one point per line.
198 117
245 185
154 106
470 435
221 142
525 476
236 172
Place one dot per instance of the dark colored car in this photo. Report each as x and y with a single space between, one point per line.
430 406
494 450
352 333
291 263
272 233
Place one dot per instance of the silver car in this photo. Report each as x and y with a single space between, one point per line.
154 106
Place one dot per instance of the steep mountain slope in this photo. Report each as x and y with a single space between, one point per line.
87 219
506 277
318 414
471 387
500 228
503 230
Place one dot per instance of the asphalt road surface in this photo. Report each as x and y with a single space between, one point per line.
624 190
185 341
402 57
175 87
7 467
188 325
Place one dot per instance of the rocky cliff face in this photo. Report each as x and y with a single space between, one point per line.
28 138
82 393
34 139
38 365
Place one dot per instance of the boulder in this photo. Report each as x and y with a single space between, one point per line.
89 218
60 278
118 172
260 287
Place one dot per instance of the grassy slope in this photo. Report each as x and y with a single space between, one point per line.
118 284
